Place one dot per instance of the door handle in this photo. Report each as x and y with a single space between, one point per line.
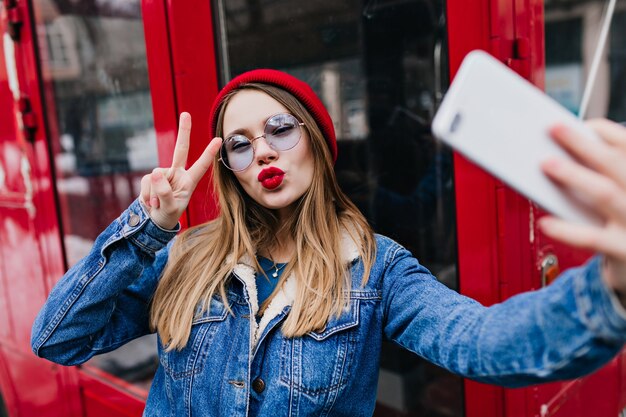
549 269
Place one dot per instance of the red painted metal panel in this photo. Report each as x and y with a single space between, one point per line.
566 403
7 387
182 79
497 225
46 397
621 386
196 82
599 395
46 220
25 281
470 26
530 31
30 237
501 28
161 73
22 215
10 184
104 395
596 395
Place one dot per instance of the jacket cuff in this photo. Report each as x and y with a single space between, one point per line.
598 304
138 227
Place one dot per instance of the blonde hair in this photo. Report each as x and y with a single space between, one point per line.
202 258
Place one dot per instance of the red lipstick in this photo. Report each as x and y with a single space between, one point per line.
271 177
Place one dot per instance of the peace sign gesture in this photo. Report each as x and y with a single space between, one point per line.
166 191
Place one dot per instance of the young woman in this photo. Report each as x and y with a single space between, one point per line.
279 306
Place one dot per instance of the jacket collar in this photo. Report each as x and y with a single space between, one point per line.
246 272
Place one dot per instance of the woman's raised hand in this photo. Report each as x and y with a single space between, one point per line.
166 191
600 175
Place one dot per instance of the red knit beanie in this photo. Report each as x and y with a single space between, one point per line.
299 89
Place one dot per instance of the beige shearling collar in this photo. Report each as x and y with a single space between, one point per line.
285 297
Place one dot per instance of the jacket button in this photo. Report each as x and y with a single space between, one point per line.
133 220
258 385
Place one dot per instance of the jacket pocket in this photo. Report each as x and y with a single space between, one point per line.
321 361
190 360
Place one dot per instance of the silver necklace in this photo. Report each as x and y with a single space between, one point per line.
277 268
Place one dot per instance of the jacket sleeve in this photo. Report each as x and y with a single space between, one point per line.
563 331
103 301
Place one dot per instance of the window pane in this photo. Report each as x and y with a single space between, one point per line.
572 31
379 67
99 113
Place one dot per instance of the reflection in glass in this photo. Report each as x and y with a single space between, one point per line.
99 118
377 66
572 32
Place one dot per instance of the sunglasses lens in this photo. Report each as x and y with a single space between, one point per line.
282 131
237 153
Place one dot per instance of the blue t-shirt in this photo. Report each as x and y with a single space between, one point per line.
265 285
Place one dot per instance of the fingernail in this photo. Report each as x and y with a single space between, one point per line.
560 132
154 202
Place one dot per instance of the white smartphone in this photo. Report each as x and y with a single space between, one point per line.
500 121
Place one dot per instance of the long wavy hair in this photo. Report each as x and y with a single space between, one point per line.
202 258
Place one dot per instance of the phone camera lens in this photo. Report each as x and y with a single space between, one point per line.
454 126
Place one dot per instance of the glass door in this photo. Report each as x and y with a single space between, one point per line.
380 68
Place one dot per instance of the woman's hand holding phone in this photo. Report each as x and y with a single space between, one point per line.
166 191
598 173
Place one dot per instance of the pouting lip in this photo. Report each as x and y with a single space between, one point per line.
269 173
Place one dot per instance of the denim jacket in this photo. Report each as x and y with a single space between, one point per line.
234 366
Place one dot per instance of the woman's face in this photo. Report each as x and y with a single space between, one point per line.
275 179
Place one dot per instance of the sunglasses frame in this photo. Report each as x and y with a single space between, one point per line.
264 136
